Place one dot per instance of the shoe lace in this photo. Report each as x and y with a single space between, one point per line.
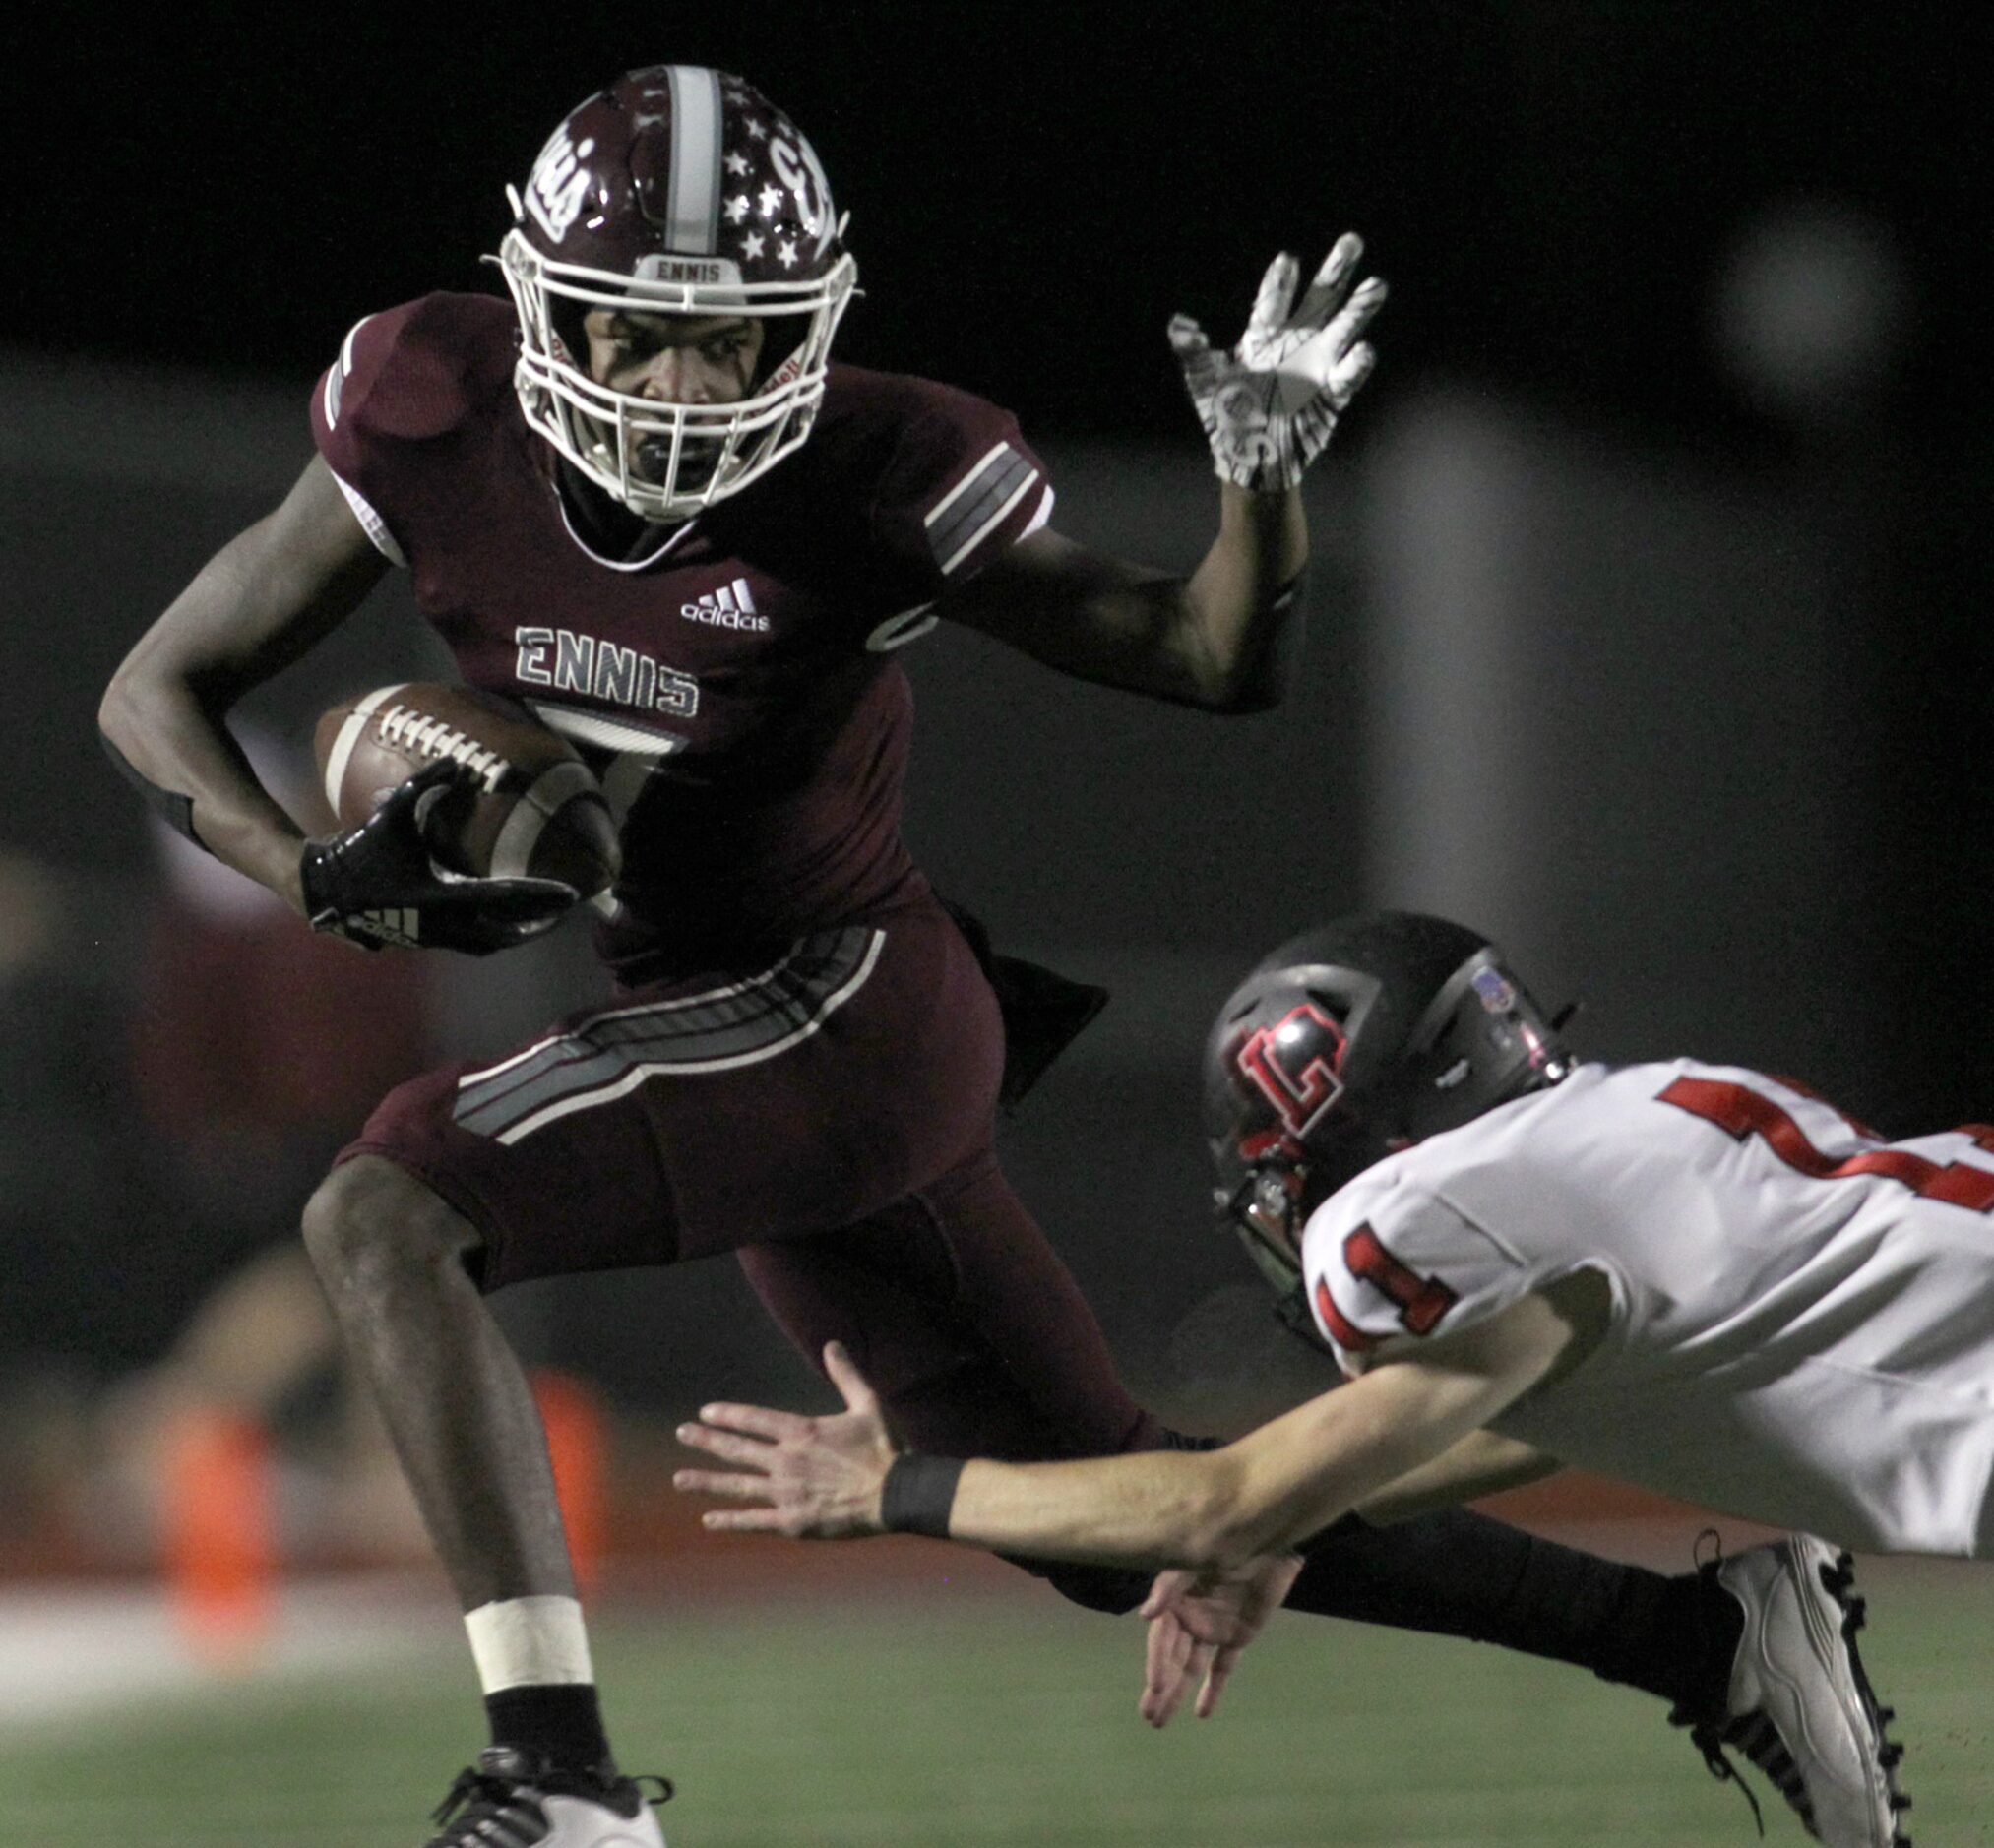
1710 1736
478 1805
1710 1741
481 1803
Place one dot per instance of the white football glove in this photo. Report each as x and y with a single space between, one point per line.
1269 405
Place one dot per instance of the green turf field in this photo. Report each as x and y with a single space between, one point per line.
997 1721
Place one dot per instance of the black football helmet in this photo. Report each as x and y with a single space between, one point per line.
1350 1042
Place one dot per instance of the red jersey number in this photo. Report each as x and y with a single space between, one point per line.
1422 1301
1741 1112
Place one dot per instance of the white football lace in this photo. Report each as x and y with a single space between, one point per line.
407 726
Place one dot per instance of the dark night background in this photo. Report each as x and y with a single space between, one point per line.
1553 190
1547 184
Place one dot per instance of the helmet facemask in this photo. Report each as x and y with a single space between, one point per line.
678 190
664 461
1263 1210
1280 1182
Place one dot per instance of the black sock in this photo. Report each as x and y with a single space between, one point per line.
1459 1574
1677 1638
560 1722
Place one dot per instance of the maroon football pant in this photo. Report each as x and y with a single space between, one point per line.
958 1312
828 1117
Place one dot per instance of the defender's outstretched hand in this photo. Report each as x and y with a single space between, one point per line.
815 1478
1198 1625
1270 404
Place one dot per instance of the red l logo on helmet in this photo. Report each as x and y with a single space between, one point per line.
1302 1093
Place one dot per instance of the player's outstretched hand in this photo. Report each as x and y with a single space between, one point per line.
379 883
1270 404
814 1478
1200 1623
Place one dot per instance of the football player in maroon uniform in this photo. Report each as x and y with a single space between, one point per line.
643 500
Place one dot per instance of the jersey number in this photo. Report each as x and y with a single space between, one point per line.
1741 1113
1422 1301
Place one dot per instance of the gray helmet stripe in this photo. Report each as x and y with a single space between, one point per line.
695 205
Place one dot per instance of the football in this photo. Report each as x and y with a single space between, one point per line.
527 806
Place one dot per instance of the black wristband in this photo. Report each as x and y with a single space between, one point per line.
176 811
918 1493
1277 660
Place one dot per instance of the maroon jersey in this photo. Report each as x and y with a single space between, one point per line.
732 679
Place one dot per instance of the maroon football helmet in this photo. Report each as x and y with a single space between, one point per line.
676 191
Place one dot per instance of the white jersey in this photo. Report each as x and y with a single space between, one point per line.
1802 1322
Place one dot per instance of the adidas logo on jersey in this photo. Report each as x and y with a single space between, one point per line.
730 608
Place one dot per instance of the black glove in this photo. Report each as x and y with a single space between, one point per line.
378 883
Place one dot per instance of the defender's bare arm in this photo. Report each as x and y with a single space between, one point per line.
1213 1510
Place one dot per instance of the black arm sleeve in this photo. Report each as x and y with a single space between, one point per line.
1270 672
177 812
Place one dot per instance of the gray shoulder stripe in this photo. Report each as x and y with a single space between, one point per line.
977 514
371 523
991 458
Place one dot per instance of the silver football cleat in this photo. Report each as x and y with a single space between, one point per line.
1800 1707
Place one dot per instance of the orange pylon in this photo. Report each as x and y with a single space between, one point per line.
577 1427
217 1541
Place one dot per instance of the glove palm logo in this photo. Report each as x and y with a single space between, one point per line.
1269 405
